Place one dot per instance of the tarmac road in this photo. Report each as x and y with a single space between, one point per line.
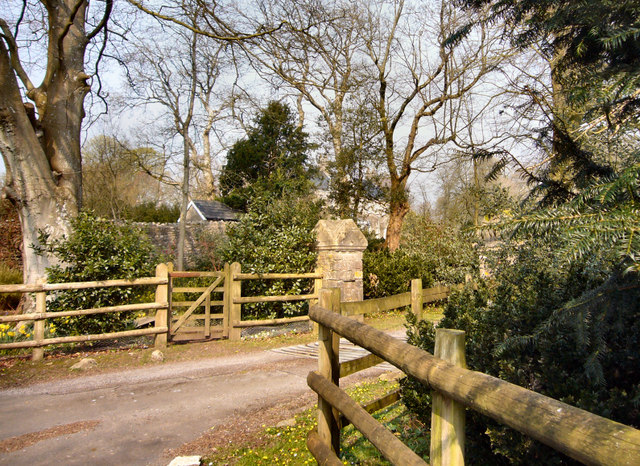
142 412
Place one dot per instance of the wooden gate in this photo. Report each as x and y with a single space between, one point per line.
191 325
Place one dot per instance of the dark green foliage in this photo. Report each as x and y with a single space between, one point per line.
447 252
97 250
594 53
537 328
152 213
355 181
604 216
272 158
603 33
430 251
389 273
274 236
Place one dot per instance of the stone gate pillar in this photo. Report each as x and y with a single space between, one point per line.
340 244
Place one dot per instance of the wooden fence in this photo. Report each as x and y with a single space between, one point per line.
579 434
40 316
231 303
167 323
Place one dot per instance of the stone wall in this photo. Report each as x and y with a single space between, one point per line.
164 236
340 245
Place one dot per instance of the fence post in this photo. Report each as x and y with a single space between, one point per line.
169 299
329 367
39 324
162 297
317 286
447 416
235 310
226 305
416 298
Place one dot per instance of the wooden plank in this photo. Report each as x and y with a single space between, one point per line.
226 298
235 310
447 416
370 306
200 317
360 364
273 299
439 293
375 405
207 316
83 312
389 445
197 334
182 274
34 288
81 338
195 289
198 329
38 326
579 434
321 451
417 304
260 323
276 276
197 303
190 303
329 370
162 296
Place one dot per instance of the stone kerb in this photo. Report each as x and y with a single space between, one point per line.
340 245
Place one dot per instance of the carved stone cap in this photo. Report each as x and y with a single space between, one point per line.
339 235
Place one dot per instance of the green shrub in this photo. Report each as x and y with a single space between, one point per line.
535 327
151 212
274 236
448 253
97 250
9 276
428 250
389 273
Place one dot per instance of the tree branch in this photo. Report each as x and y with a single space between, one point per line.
103 22
15 58
235 38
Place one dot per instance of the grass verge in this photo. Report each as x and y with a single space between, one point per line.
287 444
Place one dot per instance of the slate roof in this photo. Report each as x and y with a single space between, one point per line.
214 210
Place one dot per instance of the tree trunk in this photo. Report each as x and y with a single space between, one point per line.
182 228
42 152
398 209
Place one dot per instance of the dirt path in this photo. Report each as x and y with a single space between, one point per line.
133 417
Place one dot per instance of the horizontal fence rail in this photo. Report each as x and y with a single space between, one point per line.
236 300
160 305
81 285
583 436
389 445
274 299
84 312
276 276
84 338
371 306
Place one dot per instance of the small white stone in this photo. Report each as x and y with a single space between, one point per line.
84 364
157 356
185 461
286 423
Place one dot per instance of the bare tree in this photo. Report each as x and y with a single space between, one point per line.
422 80
316 55
40 124
181 74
